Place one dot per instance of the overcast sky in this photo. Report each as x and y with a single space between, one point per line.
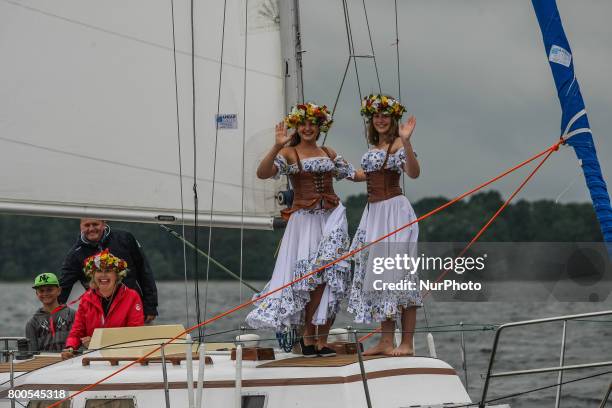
475 75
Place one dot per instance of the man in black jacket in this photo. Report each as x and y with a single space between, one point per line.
96 236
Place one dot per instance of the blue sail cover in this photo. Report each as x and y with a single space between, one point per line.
574 121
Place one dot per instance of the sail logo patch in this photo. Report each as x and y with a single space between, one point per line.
560 55
226 121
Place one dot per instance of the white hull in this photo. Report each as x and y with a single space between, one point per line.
394 382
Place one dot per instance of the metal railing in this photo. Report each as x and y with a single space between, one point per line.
560 369
606 396
6 350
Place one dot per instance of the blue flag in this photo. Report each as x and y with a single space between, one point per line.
574 121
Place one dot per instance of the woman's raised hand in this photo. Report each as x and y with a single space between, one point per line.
281 134
406 129
266 168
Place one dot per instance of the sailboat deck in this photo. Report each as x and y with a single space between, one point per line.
335 380
336 361
223 368
31 364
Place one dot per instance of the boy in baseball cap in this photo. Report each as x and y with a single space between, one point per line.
48 329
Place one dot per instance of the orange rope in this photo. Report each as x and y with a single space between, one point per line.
497 213
484 228
347 255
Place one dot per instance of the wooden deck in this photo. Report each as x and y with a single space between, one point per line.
336 361
30 365
175 359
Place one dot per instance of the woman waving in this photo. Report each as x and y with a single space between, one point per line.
316 232
387 210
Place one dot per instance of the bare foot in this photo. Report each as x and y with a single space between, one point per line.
402 350
382 347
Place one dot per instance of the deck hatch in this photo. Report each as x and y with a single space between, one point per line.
47 403
253 401
110 403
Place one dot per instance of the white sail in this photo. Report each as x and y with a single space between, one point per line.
88 123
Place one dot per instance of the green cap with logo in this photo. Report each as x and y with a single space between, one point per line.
45 279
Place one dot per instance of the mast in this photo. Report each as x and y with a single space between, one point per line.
291 51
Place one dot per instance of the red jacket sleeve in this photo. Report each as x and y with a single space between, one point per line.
78 329
135 313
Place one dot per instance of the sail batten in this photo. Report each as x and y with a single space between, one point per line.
145 215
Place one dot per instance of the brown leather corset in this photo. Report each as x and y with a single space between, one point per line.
384 183
311 190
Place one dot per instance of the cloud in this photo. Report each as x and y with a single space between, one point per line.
475 75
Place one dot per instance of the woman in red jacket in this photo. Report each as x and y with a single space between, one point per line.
107 303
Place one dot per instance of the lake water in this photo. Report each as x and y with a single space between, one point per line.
531 347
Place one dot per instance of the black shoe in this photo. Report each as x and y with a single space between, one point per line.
326 352
308 351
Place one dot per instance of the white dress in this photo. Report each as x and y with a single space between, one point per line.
312 239
379 219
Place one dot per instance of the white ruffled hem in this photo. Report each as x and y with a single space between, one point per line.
379 219
310 242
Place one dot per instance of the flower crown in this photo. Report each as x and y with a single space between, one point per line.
386 105
104 261
317 115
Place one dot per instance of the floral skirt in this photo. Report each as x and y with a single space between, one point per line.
378 219
312 239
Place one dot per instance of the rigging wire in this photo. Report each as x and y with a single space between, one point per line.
426 329
556 384
17 401
349 31
244 96
298 60
212 194
216 263
180 159
365 12
571 183
348 64
532 390
124 344
351 48
399 98
397 56
399 93
195 163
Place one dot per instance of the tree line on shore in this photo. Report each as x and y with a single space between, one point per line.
32 245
